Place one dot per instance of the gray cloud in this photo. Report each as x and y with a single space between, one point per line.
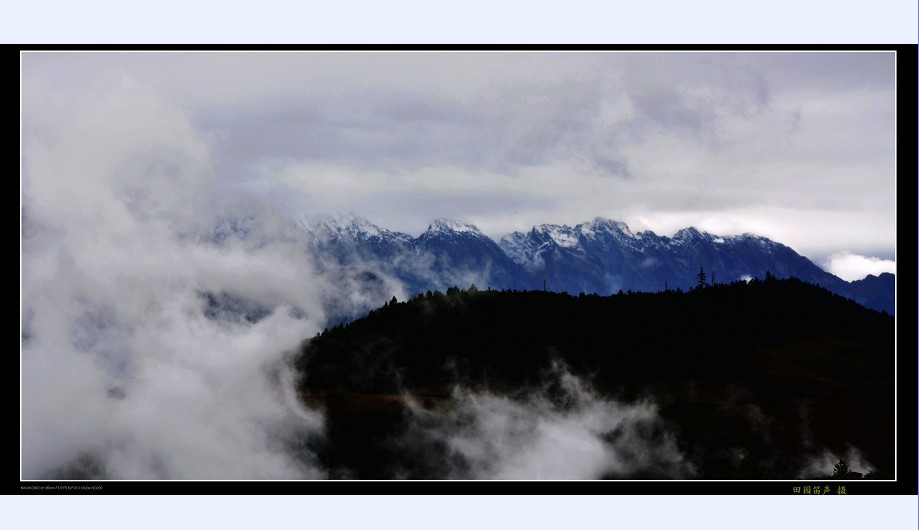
661 140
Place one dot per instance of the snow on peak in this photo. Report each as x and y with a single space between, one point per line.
687 234
561 235
693 234
362 226
350 224
602 224
609 223
449 225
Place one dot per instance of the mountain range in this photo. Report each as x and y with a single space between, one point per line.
599 256
365 265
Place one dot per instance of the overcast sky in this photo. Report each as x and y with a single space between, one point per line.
797 147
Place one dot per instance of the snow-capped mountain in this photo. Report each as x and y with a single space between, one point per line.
462 255
447 253
604 256
350 238
365 264
600 256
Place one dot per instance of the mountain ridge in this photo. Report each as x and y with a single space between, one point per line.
603 256
599 256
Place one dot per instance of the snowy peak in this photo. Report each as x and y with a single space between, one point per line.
693 235
689 235
761 241
360 225
596 256
449 226
519 247
568 237
354 228
601 225
561 235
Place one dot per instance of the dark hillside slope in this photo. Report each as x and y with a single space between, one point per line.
756 379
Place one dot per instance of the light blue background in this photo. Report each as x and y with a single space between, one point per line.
424 21
417 21
463 512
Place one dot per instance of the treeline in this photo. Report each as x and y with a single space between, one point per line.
438 338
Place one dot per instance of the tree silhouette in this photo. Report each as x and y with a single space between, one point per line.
701 278
841 469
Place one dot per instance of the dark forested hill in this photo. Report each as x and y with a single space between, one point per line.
758 379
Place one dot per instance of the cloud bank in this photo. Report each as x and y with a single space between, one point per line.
852 267
562 431
120 365
797 147
156 330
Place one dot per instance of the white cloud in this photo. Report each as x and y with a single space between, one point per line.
851 267
797 144
579 436
118 360
711 136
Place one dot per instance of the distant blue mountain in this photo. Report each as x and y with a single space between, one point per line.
604 256
448 253
600 256
875 292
